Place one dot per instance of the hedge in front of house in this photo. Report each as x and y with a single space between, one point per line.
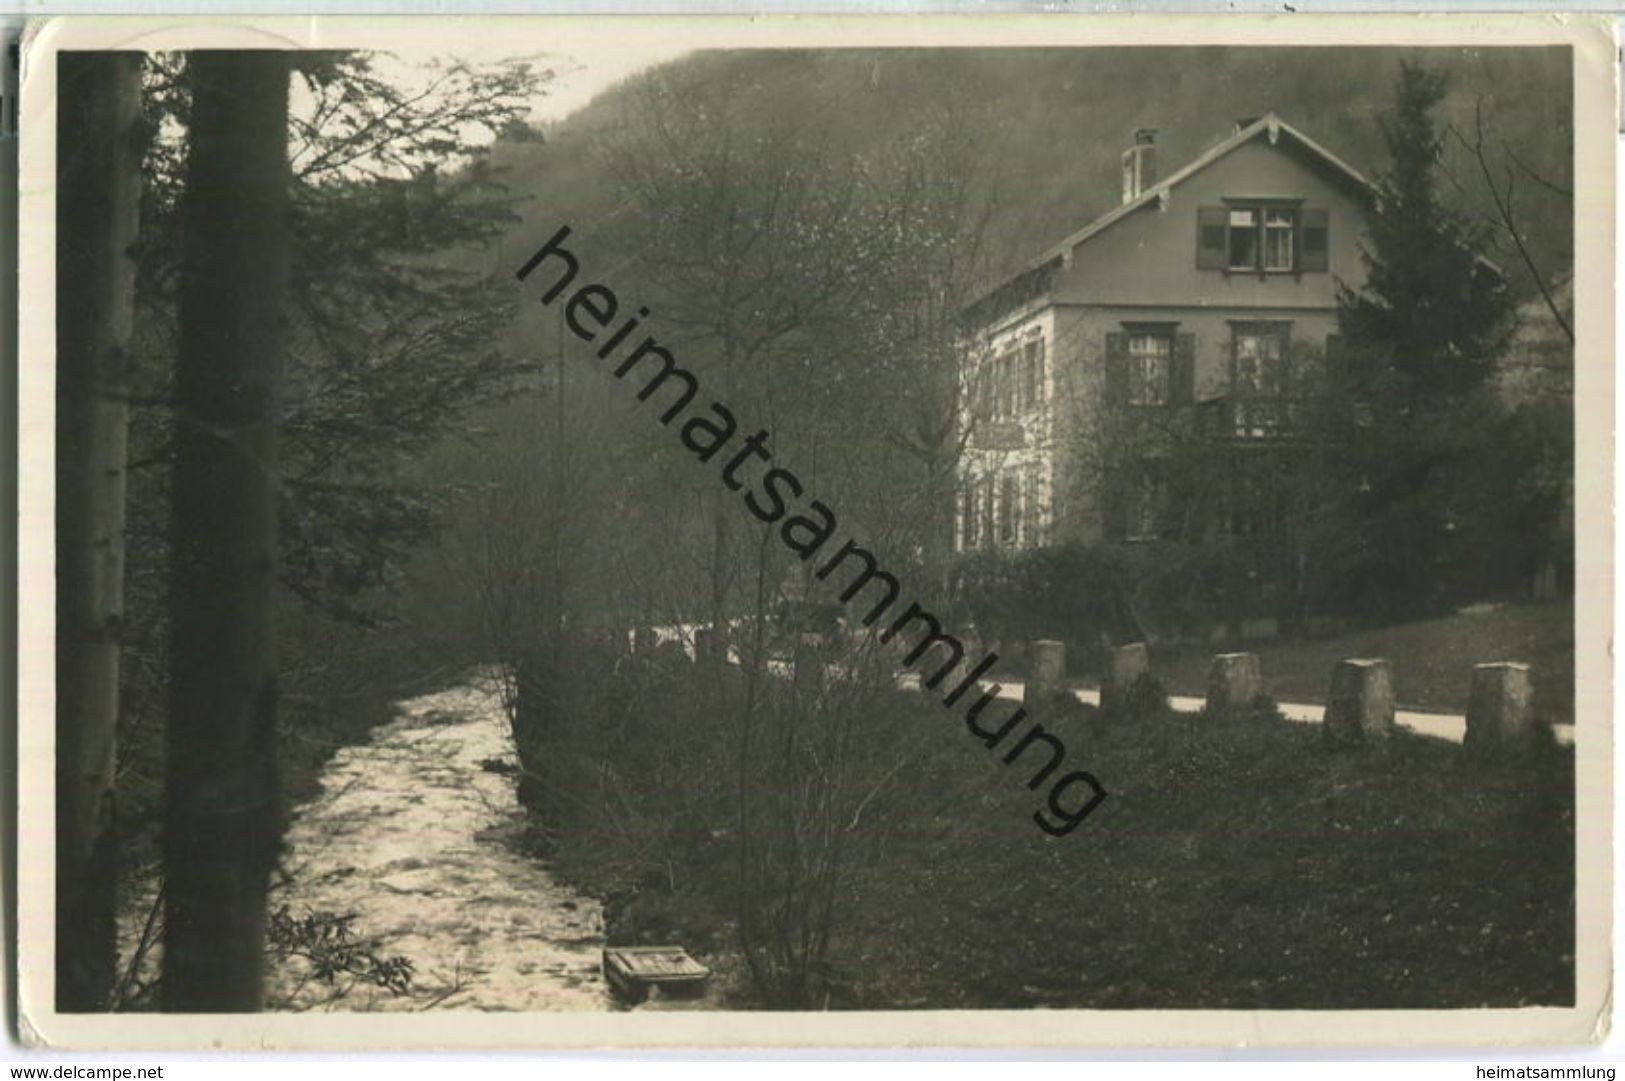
1122 592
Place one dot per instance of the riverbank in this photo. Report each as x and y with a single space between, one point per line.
1245 866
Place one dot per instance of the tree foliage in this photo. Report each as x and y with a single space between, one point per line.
1425 334
1434 307
394 325
393 330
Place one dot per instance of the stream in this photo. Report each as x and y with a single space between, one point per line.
416 836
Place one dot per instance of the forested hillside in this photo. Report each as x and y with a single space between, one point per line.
1052 122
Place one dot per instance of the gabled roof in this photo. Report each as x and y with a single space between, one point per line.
1269 124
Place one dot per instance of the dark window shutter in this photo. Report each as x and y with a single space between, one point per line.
1116 369
1182 375
1212 241
1315 246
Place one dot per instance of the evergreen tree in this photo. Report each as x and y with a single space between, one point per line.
1432 307
1424 336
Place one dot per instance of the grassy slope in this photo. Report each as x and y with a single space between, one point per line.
1234 867
1432 660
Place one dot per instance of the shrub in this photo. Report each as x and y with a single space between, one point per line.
326 944
1261 710
1146 699
1085 594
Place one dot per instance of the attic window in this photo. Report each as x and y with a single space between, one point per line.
1266 237
1261 238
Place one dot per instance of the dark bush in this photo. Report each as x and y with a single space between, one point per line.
1088 594
1261 710
1145 700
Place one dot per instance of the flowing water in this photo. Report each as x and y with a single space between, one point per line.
414 832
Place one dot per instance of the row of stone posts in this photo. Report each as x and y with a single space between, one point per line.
1500 714
1359 703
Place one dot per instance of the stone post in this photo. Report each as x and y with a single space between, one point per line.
1360 704
1234 680
1499 717
1124 665
1046 670
1016 654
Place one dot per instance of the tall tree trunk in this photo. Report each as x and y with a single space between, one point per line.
221 813
98 202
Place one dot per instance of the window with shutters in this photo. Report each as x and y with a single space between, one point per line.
1150 364
1263 237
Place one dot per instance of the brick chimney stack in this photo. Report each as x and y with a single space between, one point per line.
1140 164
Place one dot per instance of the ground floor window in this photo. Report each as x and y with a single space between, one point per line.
1003 507
1260 379
1009 511
1036 531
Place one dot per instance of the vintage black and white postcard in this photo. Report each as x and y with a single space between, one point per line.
1008 531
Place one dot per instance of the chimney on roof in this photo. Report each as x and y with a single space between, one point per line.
1140 164
1245 122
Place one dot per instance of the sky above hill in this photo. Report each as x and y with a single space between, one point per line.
579 75
584 74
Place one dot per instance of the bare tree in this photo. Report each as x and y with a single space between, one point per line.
1501 185
755 240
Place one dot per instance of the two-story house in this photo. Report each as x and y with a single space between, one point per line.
1193 296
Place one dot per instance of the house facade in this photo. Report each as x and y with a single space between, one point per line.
1192 301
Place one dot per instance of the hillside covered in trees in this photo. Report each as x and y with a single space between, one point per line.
1050 123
